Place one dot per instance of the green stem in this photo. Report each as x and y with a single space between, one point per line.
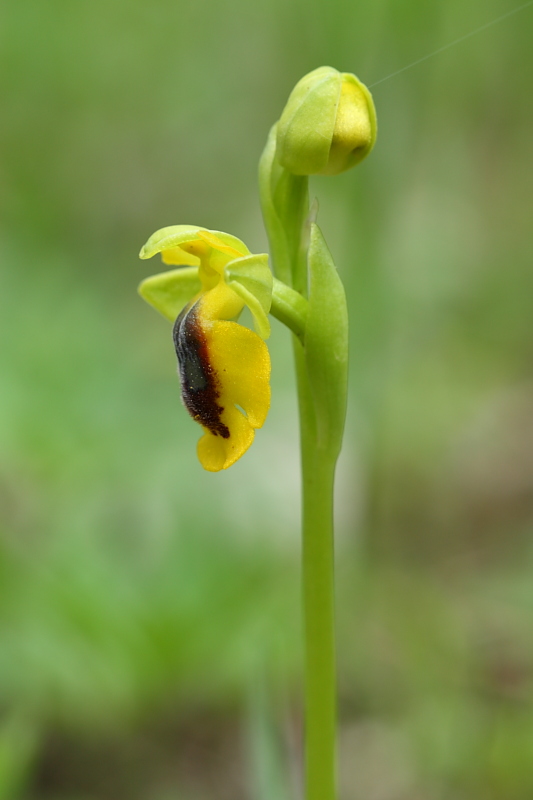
284 200
289 307
318 470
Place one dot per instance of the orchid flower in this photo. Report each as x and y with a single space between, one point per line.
224 367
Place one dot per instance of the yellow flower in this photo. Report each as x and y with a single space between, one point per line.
224 367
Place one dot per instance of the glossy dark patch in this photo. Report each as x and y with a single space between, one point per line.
199 382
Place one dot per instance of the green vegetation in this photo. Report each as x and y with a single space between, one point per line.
149 612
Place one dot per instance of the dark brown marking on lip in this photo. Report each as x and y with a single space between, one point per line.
199 382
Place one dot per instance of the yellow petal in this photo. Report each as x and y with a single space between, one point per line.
224 370
216 453
178 257
241 362
224 242
221 302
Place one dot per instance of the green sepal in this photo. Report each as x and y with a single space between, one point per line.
250 277
326 343
164 238
169 292
176 235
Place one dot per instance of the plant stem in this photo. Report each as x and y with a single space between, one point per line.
285 205
289 307
318 470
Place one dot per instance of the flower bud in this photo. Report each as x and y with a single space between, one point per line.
328 124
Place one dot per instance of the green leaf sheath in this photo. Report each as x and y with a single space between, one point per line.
326 344
285 204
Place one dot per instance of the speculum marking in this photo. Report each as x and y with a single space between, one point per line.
199 382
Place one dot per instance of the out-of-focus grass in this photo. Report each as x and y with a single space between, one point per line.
138 595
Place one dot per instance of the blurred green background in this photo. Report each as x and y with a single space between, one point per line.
149 612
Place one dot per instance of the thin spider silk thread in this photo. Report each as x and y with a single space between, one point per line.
456 41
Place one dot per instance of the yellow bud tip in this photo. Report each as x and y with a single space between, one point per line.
354 133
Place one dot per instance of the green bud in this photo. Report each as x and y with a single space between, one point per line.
328 125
